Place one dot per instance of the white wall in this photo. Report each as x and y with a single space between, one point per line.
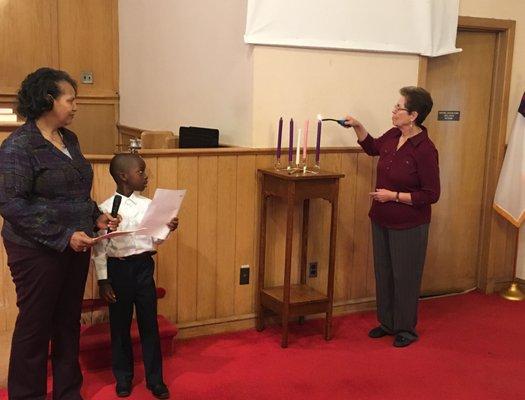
301 83
185 63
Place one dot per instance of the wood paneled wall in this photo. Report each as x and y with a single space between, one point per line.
199 263
72 35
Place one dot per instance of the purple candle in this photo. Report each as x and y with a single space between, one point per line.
318 144
290 142
279 137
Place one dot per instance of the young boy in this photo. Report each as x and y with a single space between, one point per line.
124 267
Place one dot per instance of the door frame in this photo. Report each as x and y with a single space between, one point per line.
497 245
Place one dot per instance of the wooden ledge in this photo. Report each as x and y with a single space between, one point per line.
235 151
217 151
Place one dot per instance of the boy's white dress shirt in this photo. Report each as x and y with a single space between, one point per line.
132 210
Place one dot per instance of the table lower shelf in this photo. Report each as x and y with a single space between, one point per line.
303 300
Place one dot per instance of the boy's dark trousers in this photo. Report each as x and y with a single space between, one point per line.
133 284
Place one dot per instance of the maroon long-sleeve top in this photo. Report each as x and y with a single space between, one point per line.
414 169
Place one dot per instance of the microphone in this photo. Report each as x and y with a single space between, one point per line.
114 209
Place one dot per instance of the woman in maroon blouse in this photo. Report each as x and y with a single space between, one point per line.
407 184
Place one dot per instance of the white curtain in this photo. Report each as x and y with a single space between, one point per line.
426 27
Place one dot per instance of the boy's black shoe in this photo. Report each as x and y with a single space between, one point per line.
123 389
160 391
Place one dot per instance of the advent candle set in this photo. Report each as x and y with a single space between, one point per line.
302 144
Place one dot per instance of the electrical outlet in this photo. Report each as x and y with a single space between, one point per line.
312 269
86 77
244 278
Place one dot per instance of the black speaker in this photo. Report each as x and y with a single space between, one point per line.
192 136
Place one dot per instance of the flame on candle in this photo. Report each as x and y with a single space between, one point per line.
319 117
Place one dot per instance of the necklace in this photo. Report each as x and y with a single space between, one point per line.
55 137
57 141
61 141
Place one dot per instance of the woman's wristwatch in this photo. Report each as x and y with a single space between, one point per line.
397 197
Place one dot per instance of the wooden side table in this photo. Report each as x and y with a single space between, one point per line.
296 300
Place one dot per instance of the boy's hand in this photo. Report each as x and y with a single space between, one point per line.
106 292
172 225
105 221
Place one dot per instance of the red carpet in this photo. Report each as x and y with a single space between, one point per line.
472 347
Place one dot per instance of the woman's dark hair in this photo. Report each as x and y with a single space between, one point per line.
419 100
39 88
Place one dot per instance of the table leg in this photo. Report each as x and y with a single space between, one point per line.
304 246
287 268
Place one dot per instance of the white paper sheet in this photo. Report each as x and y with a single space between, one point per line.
164 207
114 234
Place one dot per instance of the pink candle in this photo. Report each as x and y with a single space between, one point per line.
305 139
318 144
279 138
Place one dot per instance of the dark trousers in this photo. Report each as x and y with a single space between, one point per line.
399 256
49 289
133 284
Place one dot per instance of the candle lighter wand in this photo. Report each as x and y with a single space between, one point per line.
339 121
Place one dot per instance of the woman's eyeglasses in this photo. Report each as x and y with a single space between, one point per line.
397 108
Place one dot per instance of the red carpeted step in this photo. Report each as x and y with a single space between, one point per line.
95 343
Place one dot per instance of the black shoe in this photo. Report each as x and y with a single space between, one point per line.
377 332
404 341
160 391
123 389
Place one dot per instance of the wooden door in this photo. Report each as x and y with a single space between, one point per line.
459 82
